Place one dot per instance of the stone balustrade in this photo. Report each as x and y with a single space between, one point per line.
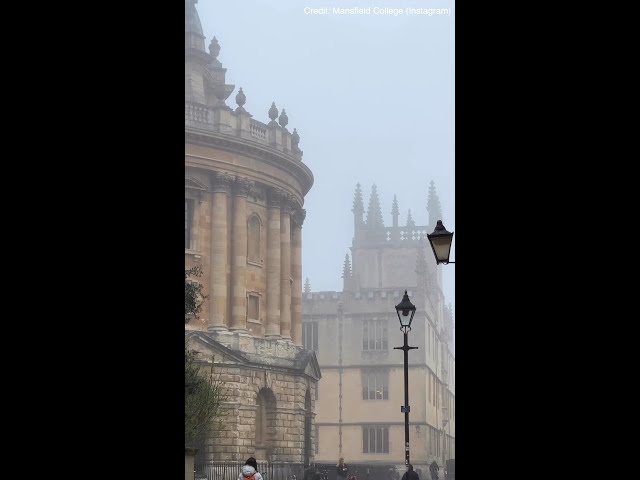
238 123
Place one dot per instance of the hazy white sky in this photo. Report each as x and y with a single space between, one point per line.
372 97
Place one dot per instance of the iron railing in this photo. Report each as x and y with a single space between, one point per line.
231 470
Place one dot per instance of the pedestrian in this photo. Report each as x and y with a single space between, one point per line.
410 474
342 469
433 469
250 470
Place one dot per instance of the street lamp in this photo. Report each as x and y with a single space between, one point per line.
440 241
406 310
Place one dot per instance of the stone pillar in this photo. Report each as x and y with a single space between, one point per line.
285 270
296 274
239 255
219 252
275 198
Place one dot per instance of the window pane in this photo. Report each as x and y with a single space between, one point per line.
315 336
386 441
385 336
365 335
378 440
365 440
378 336
365 386
385 386
372 440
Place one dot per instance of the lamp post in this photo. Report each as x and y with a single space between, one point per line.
406 310
440 241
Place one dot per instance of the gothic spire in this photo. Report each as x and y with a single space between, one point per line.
307 286
433 206
346 274
395 211
358 205
410 222
193 36
346 270
374 213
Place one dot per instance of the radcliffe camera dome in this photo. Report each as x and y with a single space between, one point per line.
193 35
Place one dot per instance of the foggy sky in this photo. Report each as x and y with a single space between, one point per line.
371 96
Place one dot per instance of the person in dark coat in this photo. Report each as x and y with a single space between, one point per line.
341 469
410 474
433 469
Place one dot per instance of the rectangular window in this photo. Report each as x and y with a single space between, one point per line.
375 335
375 439
375 384
188 213
310 335
253 307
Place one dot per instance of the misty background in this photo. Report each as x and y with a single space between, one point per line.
372 97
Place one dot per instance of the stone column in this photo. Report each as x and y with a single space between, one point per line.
296 274
275 198
285 269
219 252
239 255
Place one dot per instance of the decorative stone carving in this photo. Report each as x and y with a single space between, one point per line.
273 112
276 197
299 216
290 205
242 186
222 182
241 99
295 139
283 120
214 48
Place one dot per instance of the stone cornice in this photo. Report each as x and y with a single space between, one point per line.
252 149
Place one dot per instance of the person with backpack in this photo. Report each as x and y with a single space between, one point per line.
250 470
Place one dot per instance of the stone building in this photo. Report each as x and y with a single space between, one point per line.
353 333
245 184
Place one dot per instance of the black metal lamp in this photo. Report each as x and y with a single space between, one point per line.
440 241
405 310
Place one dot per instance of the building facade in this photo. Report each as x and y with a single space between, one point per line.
354 332
245 184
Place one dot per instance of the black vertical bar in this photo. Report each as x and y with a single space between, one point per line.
406 399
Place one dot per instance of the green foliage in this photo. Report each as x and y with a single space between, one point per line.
203 398
193 297
203 393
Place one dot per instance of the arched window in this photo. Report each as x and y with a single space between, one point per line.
253 239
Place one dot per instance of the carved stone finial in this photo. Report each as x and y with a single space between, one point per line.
214 48
241 98
295 138
273 112
283 120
